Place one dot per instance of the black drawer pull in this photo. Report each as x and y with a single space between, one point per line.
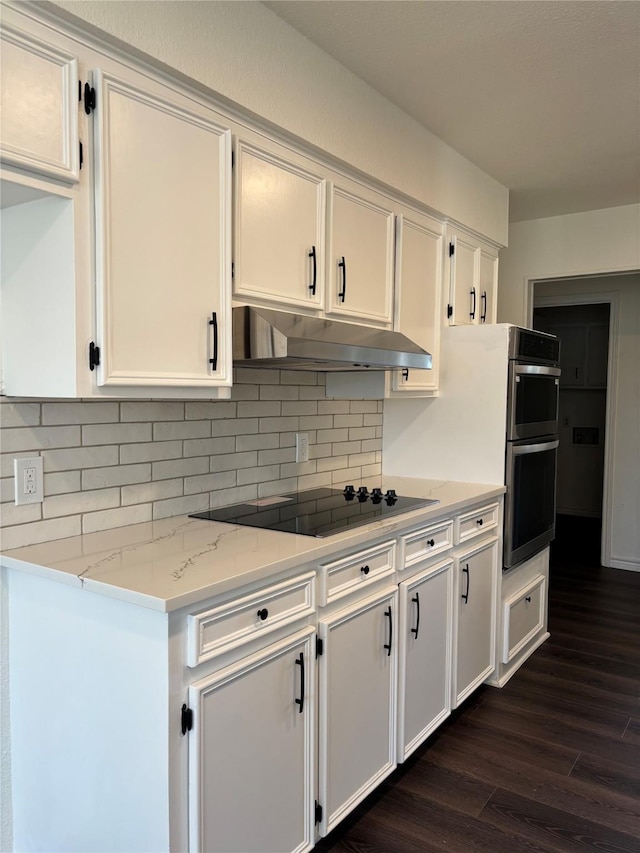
405 374
431 542
389 613
416 601
312 255
472 313
300 663
214 322
465 596
365 570
263 613
479 522
342 293
483 315
528 599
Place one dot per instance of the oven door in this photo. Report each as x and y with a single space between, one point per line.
532 408
530 503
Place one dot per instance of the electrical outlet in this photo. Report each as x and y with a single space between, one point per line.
28 479
302 447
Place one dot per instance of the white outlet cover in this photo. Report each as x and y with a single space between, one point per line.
20 467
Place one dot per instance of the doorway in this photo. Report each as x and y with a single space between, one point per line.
582 323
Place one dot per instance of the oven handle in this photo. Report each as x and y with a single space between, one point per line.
536 370
520 450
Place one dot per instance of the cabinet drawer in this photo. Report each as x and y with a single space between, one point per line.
523 617
424 543
351 573
222 628
476 523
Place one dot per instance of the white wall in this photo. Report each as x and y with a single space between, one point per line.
244 52
597 241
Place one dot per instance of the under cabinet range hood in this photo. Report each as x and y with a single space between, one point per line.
266 338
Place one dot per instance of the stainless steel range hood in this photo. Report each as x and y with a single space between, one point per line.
266 338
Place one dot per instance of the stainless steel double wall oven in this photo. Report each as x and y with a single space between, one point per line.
532 444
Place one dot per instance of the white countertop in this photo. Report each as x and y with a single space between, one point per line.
175 562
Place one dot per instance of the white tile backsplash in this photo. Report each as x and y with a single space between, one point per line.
110 463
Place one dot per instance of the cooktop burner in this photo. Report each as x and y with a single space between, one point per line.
316 512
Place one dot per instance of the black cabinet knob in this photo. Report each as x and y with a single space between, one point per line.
431 542
528 599
479 522
263 613
365 570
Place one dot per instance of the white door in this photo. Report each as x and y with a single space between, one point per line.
163 238
464 283
251 750
475 588
357 707
280 223
418 289
488 286
360 274
39 106
424 693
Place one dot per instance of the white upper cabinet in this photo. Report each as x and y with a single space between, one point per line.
360 274
39 101
419 248
163 240
280 228
473 280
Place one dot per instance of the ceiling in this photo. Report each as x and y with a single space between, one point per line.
543 96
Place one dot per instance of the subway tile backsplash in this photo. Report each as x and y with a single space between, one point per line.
110 463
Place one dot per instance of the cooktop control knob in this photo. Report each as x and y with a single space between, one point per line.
376 496
349 493
391 497
363 494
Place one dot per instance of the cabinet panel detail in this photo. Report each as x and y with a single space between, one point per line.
352 573
223 628
39 97
524 615
425 543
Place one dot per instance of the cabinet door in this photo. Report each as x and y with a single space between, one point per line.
573 343
418 287
360 258
251 771
488 287
424 694
597 355
464 281
475 589
39 100
357 678
163 205
280 220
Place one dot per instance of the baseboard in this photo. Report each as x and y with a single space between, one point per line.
500 680
628 565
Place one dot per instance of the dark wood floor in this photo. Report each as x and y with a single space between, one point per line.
549 763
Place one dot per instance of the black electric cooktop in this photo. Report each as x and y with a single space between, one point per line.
316 512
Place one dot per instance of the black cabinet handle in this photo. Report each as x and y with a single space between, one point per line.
465 596
312 255
389 613
365 570
479 522
431 542
405 374
472 313
263 613
214 322
416 601
300 663
342 263
483 315
528 599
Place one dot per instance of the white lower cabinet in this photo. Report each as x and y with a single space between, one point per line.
424 683
251 752
357 702
474 617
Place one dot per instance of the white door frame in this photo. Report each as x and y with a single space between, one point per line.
612 298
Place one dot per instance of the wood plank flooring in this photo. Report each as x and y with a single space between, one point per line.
549 763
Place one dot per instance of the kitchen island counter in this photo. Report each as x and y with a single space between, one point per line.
174 562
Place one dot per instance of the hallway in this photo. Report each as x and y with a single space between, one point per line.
549 763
